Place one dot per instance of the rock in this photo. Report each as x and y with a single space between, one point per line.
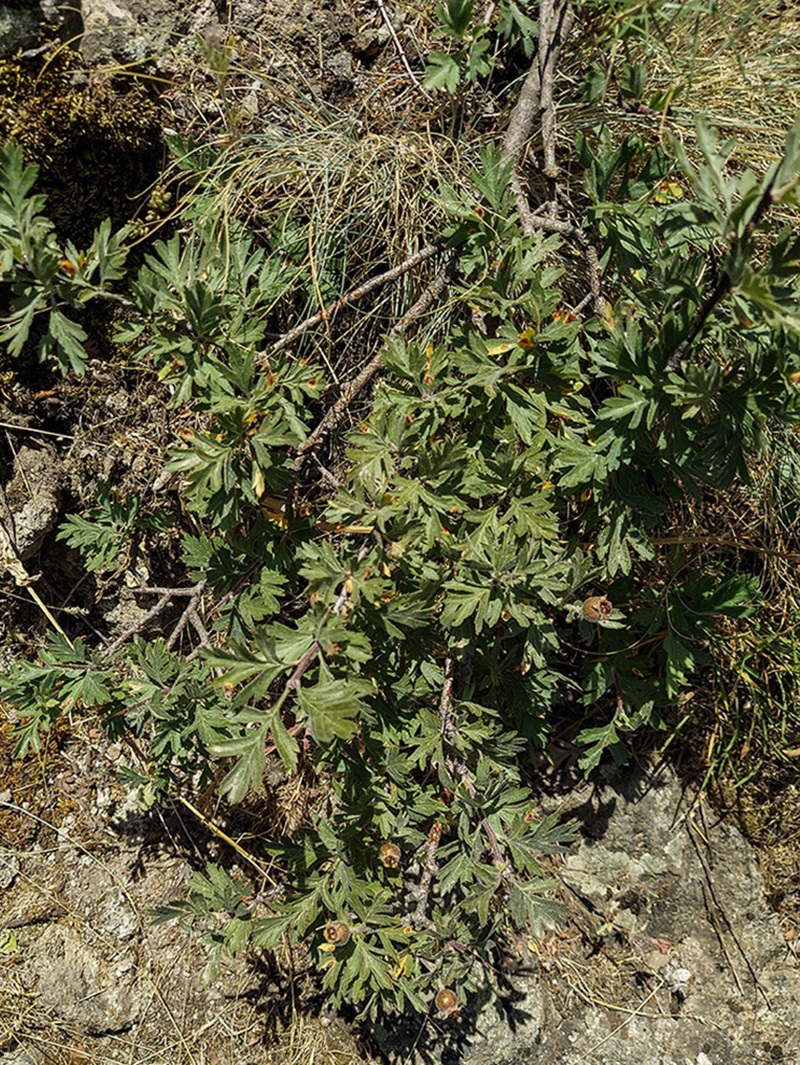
116 917
30 506
80 987
135 30
9 870
111 32
19 28
340 66
662 896
21 22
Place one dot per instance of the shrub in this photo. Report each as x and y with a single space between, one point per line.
487 554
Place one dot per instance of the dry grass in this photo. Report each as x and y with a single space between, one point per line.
318 1041
345 189
742 71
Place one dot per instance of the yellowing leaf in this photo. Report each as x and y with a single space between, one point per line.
8 942
498 347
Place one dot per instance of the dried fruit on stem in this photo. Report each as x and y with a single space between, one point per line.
336 933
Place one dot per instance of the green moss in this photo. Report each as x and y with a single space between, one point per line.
96 140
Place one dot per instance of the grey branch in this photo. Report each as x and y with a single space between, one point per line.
351 390
327 313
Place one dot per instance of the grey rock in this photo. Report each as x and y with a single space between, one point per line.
80 987
136 30
19 28
33 498
116 917
20 23
675 886
9 869
340 66
111 32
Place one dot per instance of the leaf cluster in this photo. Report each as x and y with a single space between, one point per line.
43 282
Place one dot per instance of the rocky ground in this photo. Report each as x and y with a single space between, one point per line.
671 954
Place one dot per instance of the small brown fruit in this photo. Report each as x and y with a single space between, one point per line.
337 933
446 1002
389 855
597 608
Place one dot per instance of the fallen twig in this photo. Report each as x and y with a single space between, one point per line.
327 313
351 390
531 221
190 616
735 545
523 116
400 50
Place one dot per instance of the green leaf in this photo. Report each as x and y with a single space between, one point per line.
65 339
442 72
332 707
247 774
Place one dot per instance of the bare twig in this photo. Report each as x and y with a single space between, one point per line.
165 595
188 616
523 116
531 221
536 96
400 50
217 831
151 614
171 593
351 390
535 100
555 22
447 727
724 282
327 313
719 917
429 869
